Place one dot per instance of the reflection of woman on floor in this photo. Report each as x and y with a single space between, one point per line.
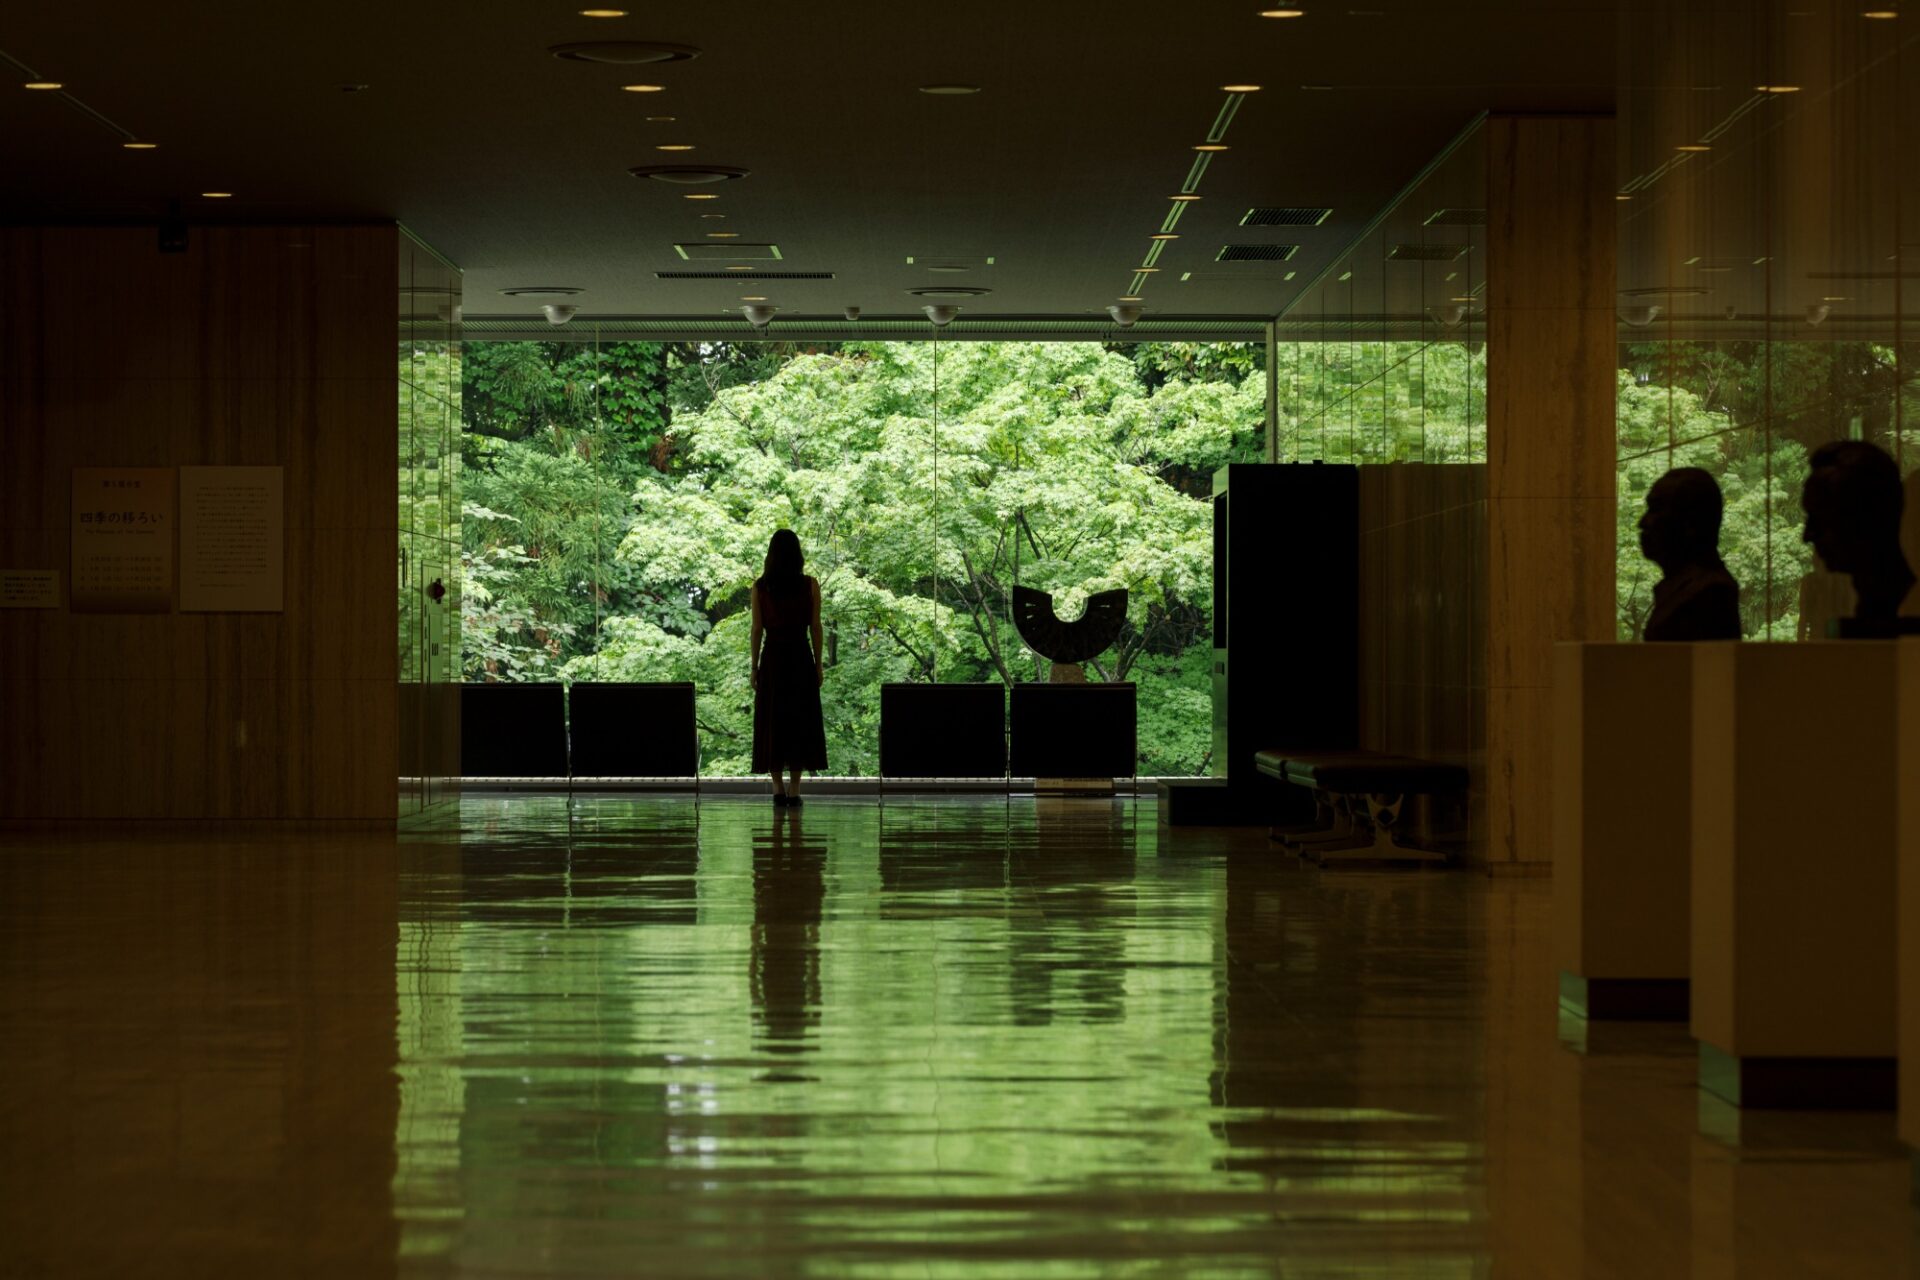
788 733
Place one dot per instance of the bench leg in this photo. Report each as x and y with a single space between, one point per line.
1345 828
1383 814
1326 818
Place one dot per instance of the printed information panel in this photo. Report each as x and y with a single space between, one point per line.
232 540
29 588
122 540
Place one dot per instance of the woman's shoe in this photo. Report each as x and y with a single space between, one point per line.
793 802
781 800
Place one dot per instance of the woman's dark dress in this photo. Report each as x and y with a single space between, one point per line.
788 732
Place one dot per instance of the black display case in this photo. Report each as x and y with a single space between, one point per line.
513 731
943 730
1075 730
633 730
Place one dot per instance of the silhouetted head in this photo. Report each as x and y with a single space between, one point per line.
1681 524
1852 499
785 562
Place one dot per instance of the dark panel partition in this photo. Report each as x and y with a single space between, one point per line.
943 731
633 731
513 731
1075 731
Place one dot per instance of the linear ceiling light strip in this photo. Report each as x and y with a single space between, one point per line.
1227 111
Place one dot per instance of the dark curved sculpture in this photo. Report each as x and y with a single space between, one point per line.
1087 637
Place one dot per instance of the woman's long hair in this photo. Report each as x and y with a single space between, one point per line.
784 571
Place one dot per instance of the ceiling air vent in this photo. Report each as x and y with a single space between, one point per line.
728 252
1284 216
1426 252
743 275
1256 252
1458 218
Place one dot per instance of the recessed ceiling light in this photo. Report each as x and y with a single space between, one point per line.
1881 14
674 146
1463 297
603 13
723 235
644 88
701 195
541 291
216 195
1184 198
1283 13
42 84
949 90
1131 297
739 268
1623 197
1694 146
139 146
713 215
688 175
1164 235
753 297
1211 146
1836 299
660 119
1145 271
1240 88
1776 88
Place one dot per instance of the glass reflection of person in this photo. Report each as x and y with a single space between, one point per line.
1853 500
1696 598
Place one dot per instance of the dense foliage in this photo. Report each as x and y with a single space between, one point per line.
618 503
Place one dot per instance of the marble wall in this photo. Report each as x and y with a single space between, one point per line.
260 346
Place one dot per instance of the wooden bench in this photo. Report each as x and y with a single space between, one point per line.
1341 781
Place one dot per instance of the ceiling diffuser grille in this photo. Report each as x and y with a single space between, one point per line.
1285 216
1256 252
1458 218
743 275
1426 252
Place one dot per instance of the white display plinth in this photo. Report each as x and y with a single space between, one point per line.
1622 807
1793 922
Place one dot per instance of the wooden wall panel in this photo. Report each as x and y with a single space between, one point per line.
262 346
1422 619
1550 445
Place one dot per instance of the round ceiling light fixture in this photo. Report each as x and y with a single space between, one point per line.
950 90
673 146
623 53
541 291
1124 314
700 195
558 313
1184 198
1776 88
139 146
43 86
723 235
941 314
950 291
1881 15
1164 235
1240 88
689 175
758 314
216 195
1283 13
1211 146
643 88
1694 147
603 13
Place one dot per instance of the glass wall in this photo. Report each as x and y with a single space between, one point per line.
1766 195
427 566
619 495
1384 359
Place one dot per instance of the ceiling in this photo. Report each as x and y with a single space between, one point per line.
513 164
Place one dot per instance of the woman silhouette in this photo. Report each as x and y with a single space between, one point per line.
787 730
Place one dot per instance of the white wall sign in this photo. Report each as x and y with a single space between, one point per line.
122 539
232 540
29 588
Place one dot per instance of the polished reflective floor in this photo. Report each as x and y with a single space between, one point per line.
930 1037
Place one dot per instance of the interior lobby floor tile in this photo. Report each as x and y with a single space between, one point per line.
975 1036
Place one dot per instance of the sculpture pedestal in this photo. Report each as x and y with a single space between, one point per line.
1793 920
1907 710
1622 807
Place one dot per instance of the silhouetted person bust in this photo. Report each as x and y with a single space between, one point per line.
1853 499
1696 598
